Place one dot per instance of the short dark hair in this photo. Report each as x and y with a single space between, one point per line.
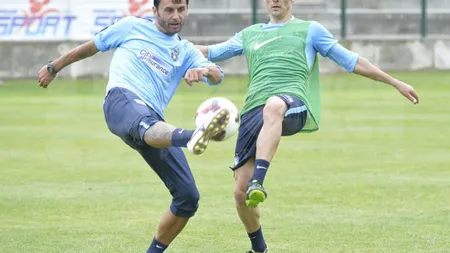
157 2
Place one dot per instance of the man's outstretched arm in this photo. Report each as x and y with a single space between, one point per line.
324 43
352 62
81 52
108 38
364 68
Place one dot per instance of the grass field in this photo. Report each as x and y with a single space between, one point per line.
375 178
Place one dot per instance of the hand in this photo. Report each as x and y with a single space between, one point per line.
45 77
195 75
407 91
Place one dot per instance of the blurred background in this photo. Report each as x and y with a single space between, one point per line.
395 35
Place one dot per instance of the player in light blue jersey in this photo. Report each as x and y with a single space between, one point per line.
283 96
149 61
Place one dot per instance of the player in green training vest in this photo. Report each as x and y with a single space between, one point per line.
283 96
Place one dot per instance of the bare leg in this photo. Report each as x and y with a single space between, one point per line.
266 146
169 227
249 216
159 135
270 134
163 135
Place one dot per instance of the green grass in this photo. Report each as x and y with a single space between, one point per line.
375 178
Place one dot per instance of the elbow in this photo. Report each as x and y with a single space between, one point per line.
353 64
203 50
361 67
85 50
364 68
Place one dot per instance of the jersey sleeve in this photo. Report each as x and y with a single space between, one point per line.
324 43
112 36
321 38
343 57
197 60
226 50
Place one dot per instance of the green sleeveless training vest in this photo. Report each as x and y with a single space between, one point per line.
277 65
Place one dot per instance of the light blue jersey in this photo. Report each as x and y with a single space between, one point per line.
146 61
318 40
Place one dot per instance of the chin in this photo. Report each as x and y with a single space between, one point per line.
276 13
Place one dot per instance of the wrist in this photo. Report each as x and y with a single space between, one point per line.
51 68
206 71
395 83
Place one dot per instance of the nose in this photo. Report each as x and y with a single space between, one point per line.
177 15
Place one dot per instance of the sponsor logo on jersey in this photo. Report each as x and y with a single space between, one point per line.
155 62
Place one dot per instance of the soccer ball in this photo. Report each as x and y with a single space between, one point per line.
211 105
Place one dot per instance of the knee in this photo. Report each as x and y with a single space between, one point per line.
240 195
274 109
185 201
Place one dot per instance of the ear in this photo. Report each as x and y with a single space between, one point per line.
155 11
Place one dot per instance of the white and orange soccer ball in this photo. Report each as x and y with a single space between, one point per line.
213 104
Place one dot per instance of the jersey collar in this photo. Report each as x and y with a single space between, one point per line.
280 24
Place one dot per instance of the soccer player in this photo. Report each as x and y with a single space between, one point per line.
283 96
149 61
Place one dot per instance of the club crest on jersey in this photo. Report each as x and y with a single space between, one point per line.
174 53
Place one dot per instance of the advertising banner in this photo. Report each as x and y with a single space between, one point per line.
50 20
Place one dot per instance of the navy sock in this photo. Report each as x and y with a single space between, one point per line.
180 137
156 247
261 167
257 239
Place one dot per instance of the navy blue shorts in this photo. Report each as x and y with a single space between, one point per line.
252 122
128 117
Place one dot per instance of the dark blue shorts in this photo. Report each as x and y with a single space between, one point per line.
252 122
128 117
